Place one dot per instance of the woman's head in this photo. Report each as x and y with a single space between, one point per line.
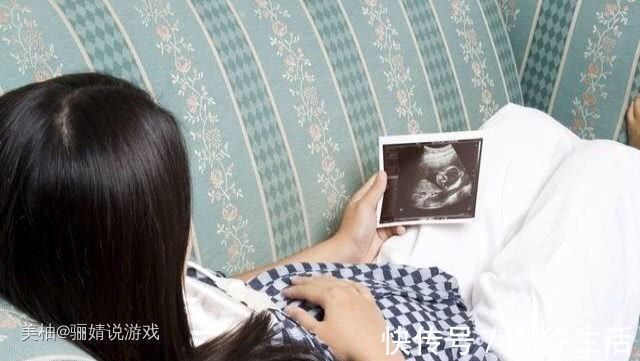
94 208
94 220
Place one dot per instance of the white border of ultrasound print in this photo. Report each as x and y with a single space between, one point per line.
429 137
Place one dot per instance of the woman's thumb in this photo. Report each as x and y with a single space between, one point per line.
303 318
376 191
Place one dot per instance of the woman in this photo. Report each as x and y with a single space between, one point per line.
94 225
94 228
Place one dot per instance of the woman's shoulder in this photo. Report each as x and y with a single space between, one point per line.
233 288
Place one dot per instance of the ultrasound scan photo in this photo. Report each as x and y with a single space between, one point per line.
430 181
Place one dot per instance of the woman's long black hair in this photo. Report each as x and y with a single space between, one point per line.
95 205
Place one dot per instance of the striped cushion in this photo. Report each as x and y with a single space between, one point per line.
578 60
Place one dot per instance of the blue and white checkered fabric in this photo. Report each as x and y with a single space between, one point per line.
423 309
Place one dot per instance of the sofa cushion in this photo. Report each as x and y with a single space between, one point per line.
22 339
578 60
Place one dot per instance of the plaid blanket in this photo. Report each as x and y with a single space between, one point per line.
426 319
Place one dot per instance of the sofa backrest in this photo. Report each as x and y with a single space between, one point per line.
578 60
281 102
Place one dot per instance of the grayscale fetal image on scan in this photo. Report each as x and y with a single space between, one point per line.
431 180
441 179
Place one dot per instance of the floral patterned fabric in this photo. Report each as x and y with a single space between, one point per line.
281 102
578 60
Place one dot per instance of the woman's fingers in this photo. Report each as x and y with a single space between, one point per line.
364 189
388 232
385 233
633 113
301 280
303 318
363 290
312 291
351 316
320 289
372 190
376 191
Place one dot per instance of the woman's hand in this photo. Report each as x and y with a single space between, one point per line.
353 325
357 240
633 122
358 233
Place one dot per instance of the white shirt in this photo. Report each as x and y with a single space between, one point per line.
212 311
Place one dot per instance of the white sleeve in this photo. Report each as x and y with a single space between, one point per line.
215 310
210 311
